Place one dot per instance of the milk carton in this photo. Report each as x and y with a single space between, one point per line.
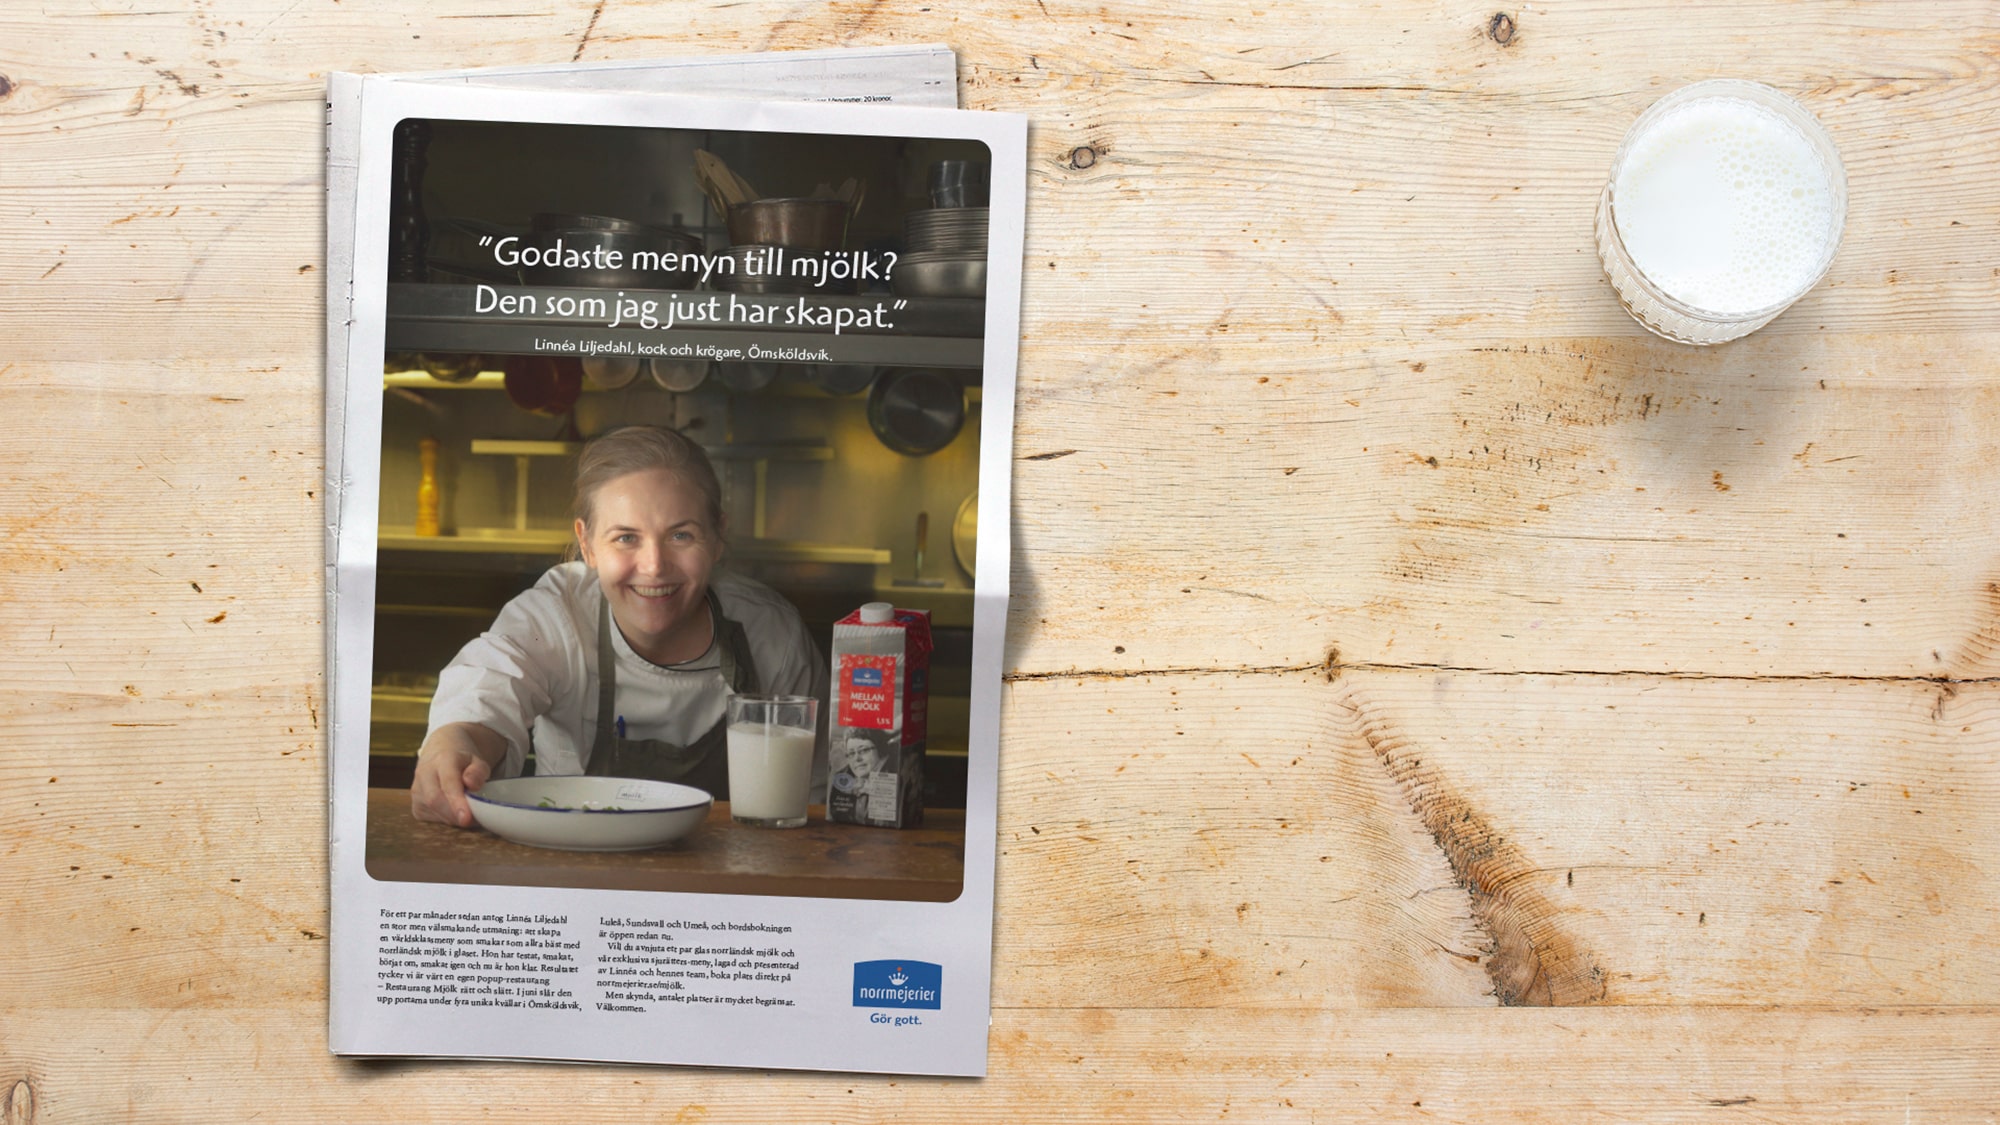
878 715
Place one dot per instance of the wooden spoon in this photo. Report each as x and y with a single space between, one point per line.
725 188
711 182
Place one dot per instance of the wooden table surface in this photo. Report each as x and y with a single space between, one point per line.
1429 697
722 857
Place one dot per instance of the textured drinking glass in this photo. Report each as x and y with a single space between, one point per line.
1724 206
770 758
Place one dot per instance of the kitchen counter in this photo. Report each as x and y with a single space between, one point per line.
820 860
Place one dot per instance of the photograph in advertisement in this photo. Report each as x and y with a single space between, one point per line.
607 514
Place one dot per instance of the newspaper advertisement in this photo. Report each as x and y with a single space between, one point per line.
668 553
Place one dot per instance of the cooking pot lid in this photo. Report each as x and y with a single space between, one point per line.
678 375
916 412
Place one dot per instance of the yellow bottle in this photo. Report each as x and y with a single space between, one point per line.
427 488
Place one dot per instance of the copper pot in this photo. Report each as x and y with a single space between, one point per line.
799 224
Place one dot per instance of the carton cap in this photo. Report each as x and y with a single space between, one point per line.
877 613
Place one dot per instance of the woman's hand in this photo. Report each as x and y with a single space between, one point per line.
455 758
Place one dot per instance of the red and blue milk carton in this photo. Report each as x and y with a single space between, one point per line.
878 716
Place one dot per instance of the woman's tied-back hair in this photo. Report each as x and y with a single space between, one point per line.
639 449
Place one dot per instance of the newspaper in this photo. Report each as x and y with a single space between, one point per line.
521 262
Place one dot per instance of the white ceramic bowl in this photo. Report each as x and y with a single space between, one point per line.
589 814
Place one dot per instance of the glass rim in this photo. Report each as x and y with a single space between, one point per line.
1793 112
744 701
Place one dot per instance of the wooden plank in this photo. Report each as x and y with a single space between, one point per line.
1603 840
268 1063
1668 841
1215 841
1596 505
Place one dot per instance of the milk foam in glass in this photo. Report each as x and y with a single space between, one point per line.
1724 206
771 741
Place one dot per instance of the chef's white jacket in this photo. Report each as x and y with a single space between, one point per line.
532 677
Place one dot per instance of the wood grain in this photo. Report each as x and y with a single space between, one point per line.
1598 506
1398 631
1081 1064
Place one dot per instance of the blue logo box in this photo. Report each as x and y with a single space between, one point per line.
897 984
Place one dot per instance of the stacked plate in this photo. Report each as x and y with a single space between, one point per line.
946 230
947 254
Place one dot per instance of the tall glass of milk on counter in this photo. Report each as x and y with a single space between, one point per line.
1724 206
770 758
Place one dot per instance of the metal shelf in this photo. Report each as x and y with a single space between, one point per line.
507 448
418 381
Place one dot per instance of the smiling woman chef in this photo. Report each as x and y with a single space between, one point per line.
619 664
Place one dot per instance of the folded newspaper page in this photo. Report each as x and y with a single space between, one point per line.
668 553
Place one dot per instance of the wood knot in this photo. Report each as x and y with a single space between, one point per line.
1082 156
1501 28
6 85
17 1106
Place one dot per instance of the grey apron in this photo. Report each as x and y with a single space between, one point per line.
703 763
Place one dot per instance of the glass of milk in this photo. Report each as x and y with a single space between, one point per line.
770 758
1724 206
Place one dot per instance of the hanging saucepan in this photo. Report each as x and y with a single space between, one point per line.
610 372
843 378
746 376
916 412
450 367
542 385
678 375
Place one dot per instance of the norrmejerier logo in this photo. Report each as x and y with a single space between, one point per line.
897 984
